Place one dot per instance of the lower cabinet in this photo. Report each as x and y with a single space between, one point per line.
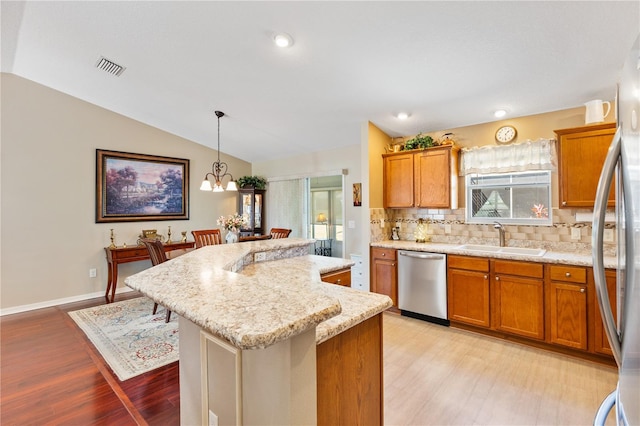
567 300
340 277
384 273
600 340
468 290
554 305
519 298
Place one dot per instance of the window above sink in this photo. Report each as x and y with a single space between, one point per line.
512 198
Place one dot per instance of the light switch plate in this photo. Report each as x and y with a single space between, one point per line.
381 223
92 273
352 224
260 257
447 228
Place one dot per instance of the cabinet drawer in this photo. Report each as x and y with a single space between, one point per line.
125 254
383 253
358 261
523 269
341 277
471 263
574 274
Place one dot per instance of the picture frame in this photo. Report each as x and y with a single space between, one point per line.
139 187
357 194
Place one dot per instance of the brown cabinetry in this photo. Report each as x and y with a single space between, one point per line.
426 178
567 301
340 277
581 154
468 290
600 340
519 298
384 273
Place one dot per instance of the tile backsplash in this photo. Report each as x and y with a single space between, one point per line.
554 238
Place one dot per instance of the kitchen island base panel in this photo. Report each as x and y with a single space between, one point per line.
271 386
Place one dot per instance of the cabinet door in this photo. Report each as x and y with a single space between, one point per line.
398 180
519 306
433 178
384 279
601 342
582 152
568 314
468 297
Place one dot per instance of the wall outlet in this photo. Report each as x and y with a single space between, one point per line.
92 273
447 228
381 223
351 224
260 257
607 236
575 233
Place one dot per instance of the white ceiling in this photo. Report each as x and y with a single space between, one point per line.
449 64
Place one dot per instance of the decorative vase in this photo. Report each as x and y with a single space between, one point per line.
232 236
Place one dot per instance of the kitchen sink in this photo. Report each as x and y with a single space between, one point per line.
523 251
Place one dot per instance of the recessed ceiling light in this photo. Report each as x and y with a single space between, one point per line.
500 113
402 115
283 40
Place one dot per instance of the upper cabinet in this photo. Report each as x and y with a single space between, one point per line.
581 154
425 178
251 205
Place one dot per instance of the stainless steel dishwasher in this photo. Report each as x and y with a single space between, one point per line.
422 285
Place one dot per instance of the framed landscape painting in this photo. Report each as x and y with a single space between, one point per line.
139 187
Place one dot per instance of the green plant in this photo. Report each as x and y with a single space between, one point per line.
257 182
419 141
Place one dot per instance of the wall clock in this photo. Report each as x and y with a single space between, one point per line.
506 134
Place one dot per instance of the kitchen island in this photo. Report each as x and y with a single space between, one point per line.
259 342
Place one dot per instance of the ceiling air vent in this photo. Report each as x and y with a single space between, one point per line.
109 66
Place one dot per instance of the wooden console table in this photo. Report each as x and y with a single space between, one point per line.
118 255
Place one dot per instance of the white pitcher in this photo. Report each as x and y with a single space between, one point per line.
594 112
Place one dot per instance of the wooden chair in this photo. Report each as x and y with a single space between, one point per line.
280 233
207 237
158 256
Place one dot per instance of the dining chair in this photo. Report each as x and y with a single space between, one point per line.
280 233
207 237
157 256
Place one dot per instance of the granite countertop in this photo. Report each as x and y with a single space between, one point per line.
278 300
565 258
357 305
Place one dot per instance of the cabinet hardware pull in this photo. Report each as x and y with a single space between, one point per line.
582 290
486 277
567 274
339 281
564 203
384 254
497 278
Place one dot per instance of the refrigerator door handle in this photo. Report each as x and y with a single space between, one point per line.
605 408
597 244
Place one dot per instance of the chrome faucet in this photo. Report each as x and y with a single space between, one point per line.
500 228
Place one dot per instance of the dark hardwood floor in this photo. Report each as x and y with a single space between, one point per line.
50 374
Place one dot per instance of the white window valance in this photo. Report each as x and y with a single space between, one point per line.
529 155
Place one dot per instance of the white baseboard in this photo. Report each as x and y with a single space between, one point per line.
56 302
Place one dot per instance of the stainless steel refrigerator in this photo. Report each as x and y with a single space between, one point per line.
623 164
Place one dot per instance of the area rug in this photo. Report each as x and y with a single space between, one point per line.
129 338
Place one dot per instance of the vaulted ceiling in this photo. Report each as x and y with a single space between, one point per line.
448 64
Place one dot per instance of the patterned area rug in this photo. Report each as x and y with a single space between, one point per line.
129 338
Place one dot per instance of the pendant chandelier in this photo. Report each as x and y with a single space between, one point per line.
218 170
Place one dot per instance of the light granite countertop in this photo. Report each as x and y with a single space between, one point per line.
565 258
255 305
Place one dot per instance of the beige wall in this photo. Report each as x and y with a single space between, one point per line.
327 161
378 140
49 238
